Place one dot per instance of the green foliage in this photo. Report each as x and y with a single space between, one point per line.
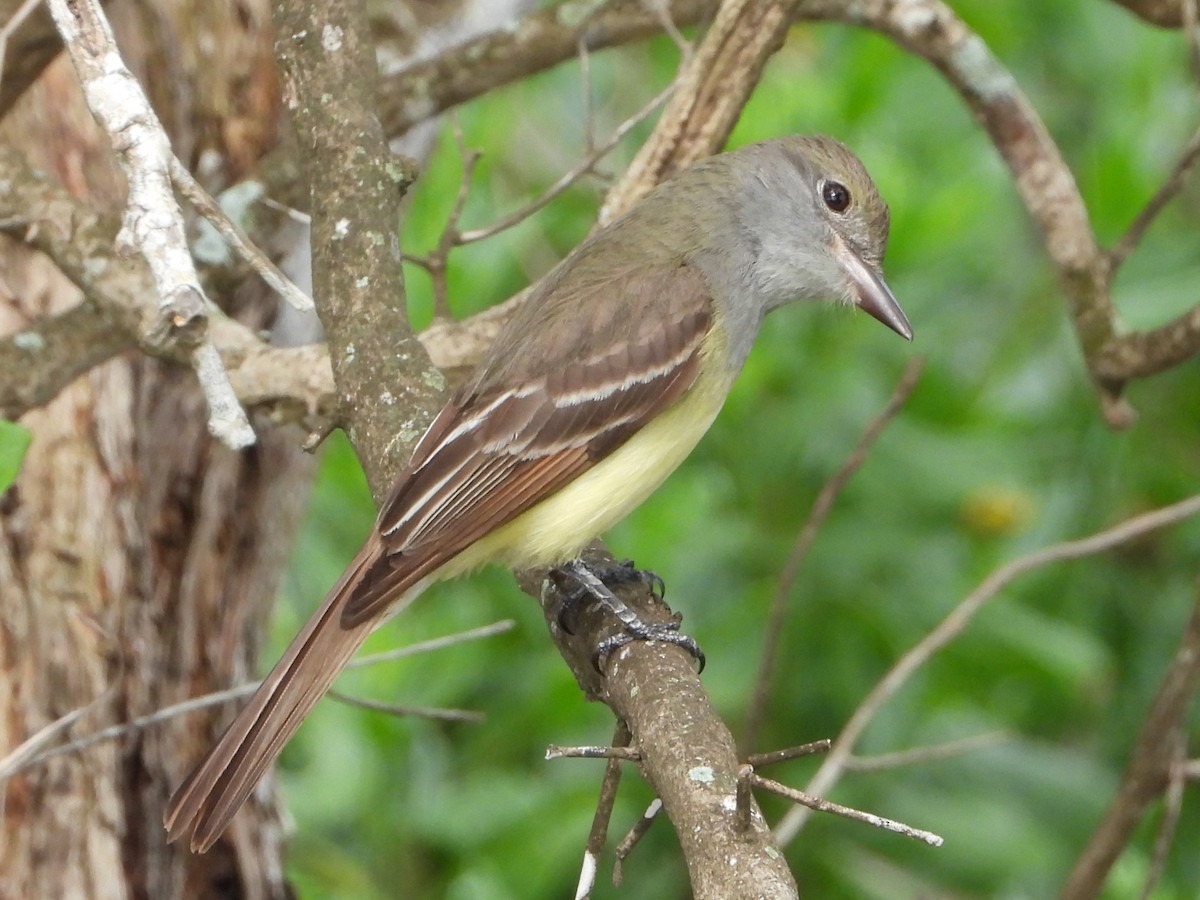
1000 451
14 441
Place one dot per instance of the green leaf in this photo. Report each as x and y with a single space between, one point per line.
14 441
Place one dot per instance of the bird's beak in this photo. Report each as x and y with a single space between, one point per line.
871 293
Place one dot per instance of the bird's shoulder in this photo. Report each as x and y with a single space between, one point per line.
609 298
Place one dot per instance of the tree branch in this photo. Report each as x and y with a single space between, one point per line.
714 85
388 389
955 622
537 42
28 43
1148 774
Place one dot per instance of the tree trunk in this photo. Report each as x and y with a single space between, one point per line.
138 557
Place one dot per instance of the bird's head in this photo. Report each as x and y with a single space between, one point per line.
817 226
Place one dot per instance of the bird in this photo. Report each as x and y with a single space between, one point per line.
598 387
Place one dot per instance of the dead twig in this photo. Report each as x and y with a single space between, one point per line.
955 622
804 540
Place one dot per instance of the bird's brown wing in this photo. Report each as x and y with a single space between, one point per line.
524 428
502 451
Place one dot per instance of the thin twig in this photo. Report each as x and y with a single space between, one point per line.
569 178
589 112
932 753
1190 10
682 44
598 833
14 22
953 625
438 261
858 815
745 797
20 759
30 750
804 540
207 206
1155 205
1172 808
440 643
1153 761
633 837
774 757
400 709
593 751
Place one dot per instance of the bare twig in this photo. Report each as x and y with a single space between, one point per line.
820 805
15 21
808 533
1190 10
438 261
744 797
1164 195
954 623
633 837
594 751
933 753
441 643
28 43
773 757
401 710
1155 757
208 207
1163 13
1172 809
25 758
598 833
585 89
31 751
585 165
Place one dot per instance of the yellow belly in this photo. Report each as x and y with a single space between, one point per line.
559 527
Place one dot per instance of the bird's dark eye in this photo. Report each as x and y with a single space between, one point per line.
836 196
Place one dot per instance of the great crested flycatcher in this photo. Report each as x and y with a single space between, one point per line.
597 388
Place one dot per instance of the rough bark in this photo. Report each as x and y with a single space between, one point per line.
138 558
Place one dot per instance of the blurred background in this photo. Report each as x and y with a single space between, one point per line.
1001 450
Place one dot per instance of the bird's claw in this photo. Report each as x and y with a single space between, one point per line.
667 632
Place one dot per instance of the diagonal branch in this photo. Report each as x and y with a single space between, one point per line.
714 84
931 30
955 622
1148 774
804 540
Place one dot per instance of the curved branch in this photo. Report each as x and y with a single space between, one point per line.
931 30
538 41
1150 766
836 762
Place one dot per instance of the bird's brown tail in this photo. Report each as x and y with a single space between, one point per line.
203 805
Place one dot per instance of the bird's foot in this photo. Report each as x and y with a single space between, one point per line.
595 582
667 632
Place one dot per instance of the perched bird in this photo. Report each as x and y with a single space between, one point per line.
597 388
